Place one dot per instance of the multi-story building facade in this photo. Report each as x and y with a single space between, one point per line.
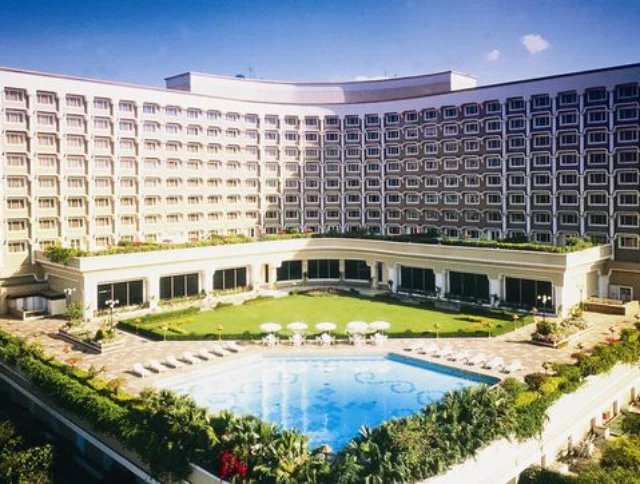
88 163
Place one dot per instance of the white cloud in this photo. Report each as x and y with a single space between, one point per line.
534 43
493 55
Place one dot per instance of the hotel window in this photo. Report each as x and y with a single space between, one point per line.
431 181
392 118
493 126
568 98
597 178
431 198
628 178
493 162
450 112
569 199
627 157
471 163
127 107
20 161
568 139
429 114
627 135
628 242
597 94
568 159
450 216
598 199
494 181
517 180
599 116
516 104
542 101
75 101
542 121
542 179
598 219
471 128
517 162
516 199
472 199
14 95
517 124
450 146
568 119
540 161
517 142
542 199
16 247
352 120
627 91
568 179
542 217
392 150
568 218
596 158
627 114
411 117
517 217
492 107
471 110
628 199
450 130
628 220
44 140
597 137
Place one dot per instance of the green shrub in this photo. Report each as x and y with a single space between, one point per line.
623 452
526 398
538 475
631 424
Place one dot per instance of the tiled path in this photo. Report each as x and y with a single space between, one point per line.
136 349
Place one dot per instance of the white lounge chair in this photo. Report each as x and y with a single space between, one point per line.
234 346
444 351
189 358
477 359
379 339
297 340
325 339
415 346
172 362
459 355
516 365
429 349
218 351
140 370
270 340
156 366
494 363
357 339
204 354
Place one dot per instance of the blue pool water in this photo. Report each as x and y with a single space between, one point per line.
327 398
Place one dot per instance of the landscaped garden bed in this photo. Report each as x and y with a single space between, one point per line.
558 335
415 319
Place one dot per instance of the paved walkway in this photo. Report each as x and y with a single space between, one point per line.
136 349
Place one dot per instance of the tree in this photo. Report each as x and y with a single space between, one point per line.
21 463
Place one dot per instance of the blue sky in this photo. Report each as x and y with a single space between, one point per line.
143 42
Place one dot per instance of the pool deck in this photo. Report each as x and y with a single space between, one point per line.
136 349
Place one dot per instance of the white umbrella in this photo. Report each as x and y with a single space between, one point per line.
357 327
270 327
326 326
380 325
297 326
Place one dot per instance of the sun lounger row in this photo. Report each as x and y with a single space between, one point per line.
154 366
326 339
463 356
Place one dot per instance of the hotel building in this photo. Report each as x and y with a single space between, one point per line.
87 163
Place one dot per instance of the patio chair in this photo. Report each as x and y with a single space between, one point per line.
270 340
297 340
204 354
414 346
156 366
357 339
429 349
189 358
443 352
379 339
140 370
325 339
172 362
477 359
234 347
494 363
218 351
516 365
459 355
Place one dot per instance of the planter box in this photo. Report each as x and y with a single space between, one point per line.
609 306
559 344
99 348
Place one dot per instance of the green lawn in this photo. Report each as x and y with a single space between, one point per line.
340 309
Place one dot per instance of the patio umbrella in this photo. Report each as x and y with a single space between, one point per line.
297 326
380 325
270 327
326 326
357 327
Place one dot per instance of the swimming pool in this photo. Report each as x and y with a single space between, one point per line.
327 398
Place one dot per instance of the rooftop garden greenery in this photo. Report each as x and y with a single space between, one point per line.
418 319
169 431
62 255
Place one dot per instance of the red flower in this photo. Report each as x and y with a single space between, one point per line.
231 466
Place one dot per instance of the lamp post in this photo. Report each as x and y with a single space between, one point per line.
612 330
68 291
111 303
544 299
220 328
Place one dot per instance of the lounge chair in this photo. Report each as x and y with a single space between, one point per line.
459 355
429 349
494 363
415 346
516 365
379 339
297 340
270 340
477 359
140 370
172 362
218 351
156 366
204 354
234 346
189 358
357 339
443 352
325 339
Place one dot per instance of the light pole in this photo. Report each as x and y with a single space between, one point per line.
544 299
111 303
68 291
